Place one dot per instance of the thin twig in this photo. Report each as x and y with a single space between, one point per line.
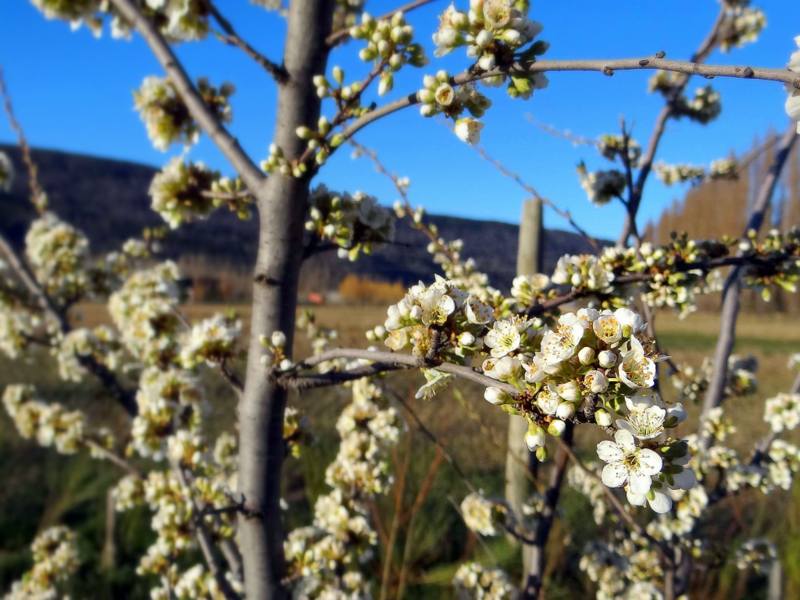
342 35
208 121
435 440
601 66
230 37
564 214
37 192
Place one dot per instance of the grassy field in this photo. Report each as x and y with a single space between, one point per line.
41 488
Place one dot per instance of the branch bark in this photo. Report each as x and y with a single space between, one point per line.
228 145
607 67
646 165
732 287
282 207
534 569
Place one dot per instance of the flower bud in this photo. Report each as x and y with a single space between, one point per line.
607 359
304 133
556 427
535 437
338 74
596 382
565 410
586 355
602 418
495 396
466 339
569 391
278 339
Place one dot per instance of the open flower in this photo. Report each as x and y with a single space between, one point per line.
659 500
628 463
644 422
436 305
560 343
636 370
503 338
468 130
608 329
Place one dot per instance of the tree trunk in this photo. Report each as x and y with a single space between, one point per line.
282 204
519 460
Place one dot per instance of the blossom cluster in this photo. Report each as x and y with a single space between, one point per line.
782 412
758 554
144 310
211 341
55 560
582 271
720 169
167 401
180 191
389 44
165 115
100 343
324 558
601 186
473 580
590 362
354 223
691 382
626 567
482 515
703 107
17 324
743 25
58 254
494 33
177 20
49 423
441 95
613 147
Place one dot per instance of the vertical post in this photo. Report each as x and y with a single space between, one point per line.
108 557
775 581
519 461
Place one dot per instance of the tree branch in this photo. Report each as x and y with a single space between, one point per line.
534 580
390 360
607 67
732 287
646 164
230 37
228 145
342 35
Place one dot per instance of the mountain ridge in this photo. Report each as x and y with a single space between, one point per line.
108 200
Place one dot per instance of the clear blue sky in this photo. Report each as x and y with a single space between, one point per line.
73 92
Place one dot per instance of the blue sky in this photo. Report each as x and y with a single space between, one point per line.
73 92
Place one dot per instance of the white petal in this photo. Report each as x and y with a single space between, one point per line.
634 498
625 440
650 463
661 502
609 452
614 475
639 482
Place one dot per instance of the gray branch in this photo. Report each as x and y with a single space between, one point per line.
732 287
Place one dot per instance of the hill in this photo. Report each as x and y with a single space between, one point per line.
108 200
